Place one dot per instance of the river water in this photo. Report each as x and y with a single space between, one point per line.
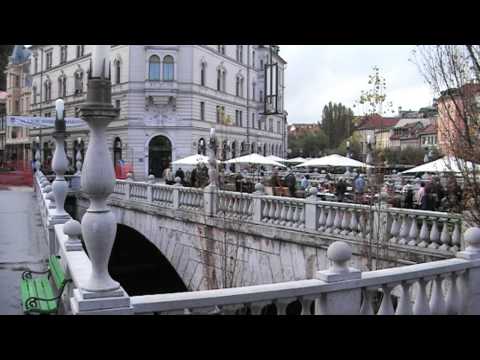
23 245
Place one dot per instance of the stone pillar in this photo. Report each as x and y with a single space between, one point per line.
176 193
257 202
60 166
311 216
343 302
99 293
472 253
210 196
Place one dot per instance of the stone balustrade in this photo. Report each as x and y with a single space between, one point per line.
280 211
435 288
235 205
424 229
438 233
190 198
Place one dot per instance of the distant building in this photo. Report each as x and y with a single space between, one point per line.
19 86
301 129
370 126
454 107
406 132
169 97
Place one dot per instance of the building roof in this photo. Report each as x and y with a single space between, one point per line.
430 129
376 122
19 55
410 121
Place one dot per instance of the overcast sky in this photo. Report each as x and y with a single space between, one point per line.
317 74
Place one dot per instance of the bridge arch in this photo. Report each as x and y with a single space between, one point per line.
140 266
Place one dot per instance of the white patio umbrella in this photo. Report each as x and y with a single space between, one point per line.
254 159
333 160
275 158
296 160
192 160
445 164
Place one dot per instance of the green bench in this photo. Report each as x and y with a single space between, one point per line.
37 294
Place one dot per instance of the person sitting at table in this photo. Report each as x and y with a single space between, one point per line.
305 183
359 186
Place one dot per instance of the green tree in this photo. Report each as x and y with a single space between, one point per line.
337 123
5 52
374 99
308 144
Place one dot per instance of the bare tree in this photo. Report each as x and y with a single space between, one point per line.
453 73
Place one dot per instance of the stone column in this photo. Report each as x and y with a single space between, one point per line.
472 278
99 293
257 202
60 166
311 217
344 302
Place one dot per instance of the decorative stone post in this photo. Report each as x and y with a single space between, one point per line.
343 302
60 165
99 225
471 280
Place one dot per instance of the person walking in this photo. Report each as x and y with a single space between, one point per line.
291 183
341 188
421 197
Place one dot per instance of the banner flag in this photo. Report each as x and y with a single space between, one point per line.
42 122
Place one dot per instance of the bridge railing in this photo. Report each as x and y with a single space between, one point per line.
440 287
434 232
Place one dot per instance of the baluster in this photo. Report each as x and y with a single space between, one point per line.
367 301
424 233
276 213
291 209
338 221
361 224
266 209
404 230
437 301
395 229
330 219
283 213
421 306
296 216
464 291
453 301
456 237
236 206
231 204
386 308
445 237
281 305
413 234
434 235
353 223
301 219
322 219
306 306
346 222
404 306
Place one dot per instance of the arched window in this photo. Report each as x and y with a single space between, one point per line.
118 71
34 91
154 68
202 147
168 68
219 79
117 151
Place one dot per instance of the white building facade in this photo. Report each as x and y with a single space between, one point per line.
169 97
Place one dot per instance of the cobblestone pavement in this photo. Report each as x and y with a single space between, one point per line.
23 245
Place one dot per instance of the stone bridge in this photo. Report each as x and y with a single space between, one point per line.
219 239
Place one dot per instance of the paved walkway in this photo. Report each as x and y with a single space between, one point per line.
23 244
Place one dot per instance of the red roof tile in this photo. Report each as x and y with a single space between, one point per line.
377 122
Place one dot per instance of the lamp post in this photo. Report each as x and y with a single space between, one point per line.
369 159
349 155
60 162
99 225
